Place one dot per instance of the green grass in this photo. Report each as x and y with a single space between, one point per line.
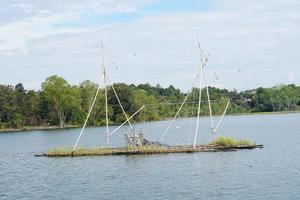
231 142
104 150
89 151
59 150
148 148
221 141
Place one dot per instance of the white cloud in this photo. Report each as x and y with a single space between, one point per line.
291 76
258 36
25 8
46 21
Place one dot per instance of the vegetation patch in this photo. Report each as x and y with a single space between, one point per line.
148 148
227 141
59 150
221 144
62 151
60 104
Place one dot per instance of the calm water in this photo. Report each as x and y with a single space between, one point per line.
269 173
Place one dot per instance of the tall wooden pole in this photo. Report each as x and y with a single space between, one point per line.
209 107
105 90
199 108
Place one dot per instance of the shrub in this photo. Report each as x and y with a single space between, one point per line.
231 142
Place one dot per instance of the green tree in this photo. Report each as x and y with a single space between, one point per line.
59 103
140 98
31 108
87 93
61 97
20 104
125 94
263 100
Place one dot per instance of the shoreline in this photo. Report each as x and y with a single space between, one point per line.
37 128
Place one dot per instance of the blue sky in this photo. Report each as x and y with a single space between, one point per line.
251 43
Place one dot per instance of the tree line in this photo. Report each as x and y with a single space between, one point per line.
59 103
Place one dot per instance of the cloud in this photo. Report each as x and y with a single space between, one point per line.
258 36
46 21
25 8
290 76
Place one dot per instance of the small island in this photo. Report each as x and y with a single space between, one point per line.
136 143
222 143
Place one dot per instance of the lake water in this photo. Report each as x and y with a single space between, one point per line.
269 173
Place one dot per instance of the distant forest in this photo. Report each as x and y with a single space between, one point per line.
58 103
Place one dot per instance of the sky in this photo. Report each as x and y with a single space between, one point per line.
251 43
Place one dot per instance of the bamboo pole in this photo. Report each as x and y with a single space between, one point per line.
209 107
111 133
118 99
174 118
177 113
105 90
199 107
219 123
87 117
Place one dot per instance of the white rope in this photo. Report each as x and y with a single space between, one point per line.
87 117
122 108
163 135
222 116
172 122
126 121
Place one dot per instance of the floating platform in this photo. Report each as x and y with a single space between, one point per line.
143 150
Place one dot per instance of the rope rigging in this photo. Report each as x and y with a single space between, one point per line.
202 84
196 99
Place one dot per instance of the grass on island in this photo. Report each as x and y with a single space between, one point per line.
105 150
227 141
147 148
83 151
222 141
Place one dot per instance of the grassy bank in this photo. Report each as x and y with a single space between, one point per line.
34 128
